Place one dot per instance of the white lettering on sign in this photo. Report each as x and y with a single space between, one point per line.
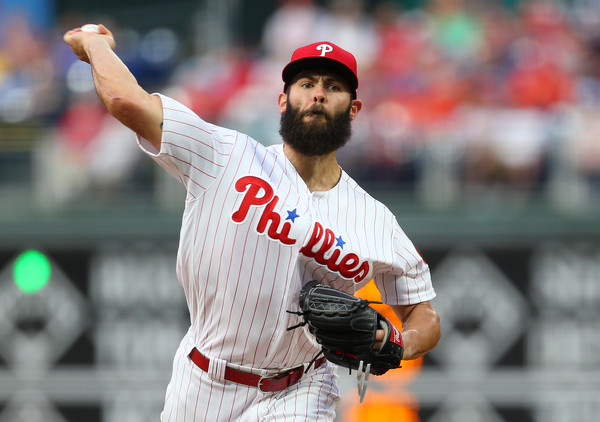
122 342
135 279
580 335
565 278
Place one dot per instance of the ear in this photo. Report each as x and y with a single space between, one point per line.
355 108
282 101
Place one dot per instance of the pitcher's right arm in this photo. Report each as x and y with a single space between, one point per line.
116 86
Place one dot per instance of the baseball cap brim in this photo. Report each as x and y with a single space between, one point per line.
297 66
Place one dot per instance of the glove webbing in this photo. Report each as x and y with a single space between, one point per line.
302 324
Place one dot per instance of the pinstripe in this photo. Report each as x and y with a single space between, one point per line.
229 320
196 406
223 267
193 127
260 288
262 328
187 391
196 156
174 381
237 331
209 402
237 286
204 248
193 152
296 334
174 108
231 408
215 238
374 233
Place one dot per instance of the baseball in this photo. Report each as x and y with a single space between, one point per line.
90 27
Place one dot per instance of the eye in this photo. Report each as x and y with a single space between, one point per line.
333 87
307 85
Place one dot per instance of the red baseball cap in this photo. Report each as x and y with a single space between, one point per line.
322 55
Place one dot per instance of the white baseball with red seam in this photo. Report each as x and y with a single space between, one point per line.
90 27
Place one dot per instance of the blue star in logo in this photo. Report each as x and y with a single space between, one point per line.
292 215
340 242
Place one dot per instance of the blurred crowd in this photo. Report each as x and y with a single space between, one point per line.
461 97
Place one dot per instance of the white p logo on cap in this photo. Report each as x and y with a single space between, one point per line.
324 48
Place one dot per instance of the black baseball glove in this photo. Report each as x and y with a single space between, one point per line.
345 327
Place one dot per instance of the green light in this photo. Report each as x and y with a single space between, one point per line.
31 271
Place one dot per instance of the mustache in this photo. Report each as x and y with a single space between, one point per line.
318 109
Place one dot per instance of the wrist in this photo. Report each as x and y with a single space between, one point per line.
407 341
97 41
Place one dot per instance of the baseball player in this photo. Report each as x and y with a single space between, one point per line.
259 224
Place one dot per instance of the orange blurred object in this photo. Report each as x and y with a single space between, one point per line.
410 368
399 406
395 403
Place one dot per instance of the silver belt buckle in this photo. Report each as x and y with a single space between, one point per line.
266 377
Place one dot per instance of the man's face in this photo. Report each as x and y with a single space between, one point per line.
316 113
314 131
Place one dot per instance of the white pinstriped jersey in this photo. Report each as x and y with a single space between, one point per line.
252 234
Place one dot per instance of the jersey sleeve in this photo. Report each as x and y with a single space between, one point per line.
193 151
408 279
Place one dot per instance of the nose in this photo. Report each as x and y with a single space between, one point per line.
319 94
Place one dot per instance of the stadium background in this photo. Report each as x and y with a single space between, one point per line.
480 131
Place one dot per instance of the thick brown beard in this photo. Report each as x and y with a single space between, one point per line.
316 137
